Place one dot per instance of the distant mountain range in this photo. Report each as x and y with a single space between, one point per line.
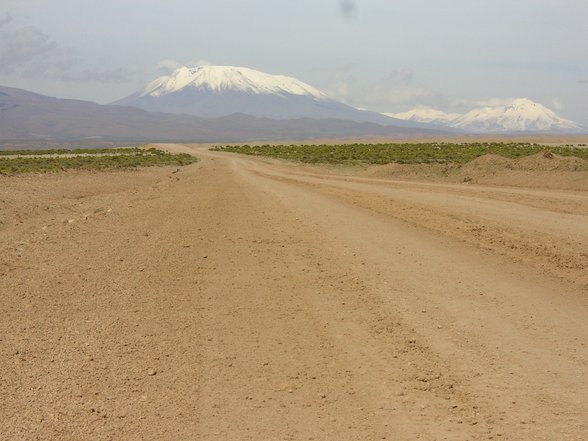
225 104
28 115
518 116
216 91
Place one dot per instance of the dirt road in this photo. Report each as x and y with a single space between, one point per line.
244 299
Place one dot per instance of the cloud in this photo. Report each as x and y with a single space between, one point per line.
28 52
398 89
348 9
340 90
201 63
583 81
342 84
21 46
557 103
395 92
167 66
6 20
491 102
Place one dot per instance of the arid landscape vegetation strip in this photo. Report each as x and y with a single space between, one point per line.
97 151
410 153
125 159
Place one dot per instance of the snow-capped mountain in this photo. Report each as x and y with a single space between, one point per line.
216 91
220 79
426 115
520 115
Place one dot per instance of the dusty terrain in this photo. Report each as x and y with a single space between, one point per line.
539 171
247 299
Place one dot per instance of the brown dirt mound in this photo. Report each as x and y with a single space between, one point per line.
554 172
549 162
487 164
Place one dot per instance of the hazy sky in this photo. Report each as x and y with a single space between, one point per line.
384 55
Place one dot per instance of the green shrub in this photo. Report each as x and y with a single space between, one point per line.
408 153
67 160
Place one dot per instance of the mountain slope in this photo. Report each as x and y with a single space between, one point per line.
216 91
224 78
27 115
426 115
520 115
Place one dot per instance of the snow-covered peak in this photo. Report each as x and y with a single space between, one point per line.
219 91
426 115
520 115
228 78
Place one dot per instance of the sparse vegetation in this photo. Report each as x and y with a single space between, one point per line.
409 153
98 151
95 159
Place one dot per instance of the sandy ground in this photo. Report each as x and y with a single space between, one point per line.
247 299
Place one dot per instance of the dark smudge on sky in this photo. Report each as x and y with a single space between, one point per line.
348 8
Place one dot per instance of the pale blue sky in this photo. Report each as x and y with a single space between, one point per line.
379 54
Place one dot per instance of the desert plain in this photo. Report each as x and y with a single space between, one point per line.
243 298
